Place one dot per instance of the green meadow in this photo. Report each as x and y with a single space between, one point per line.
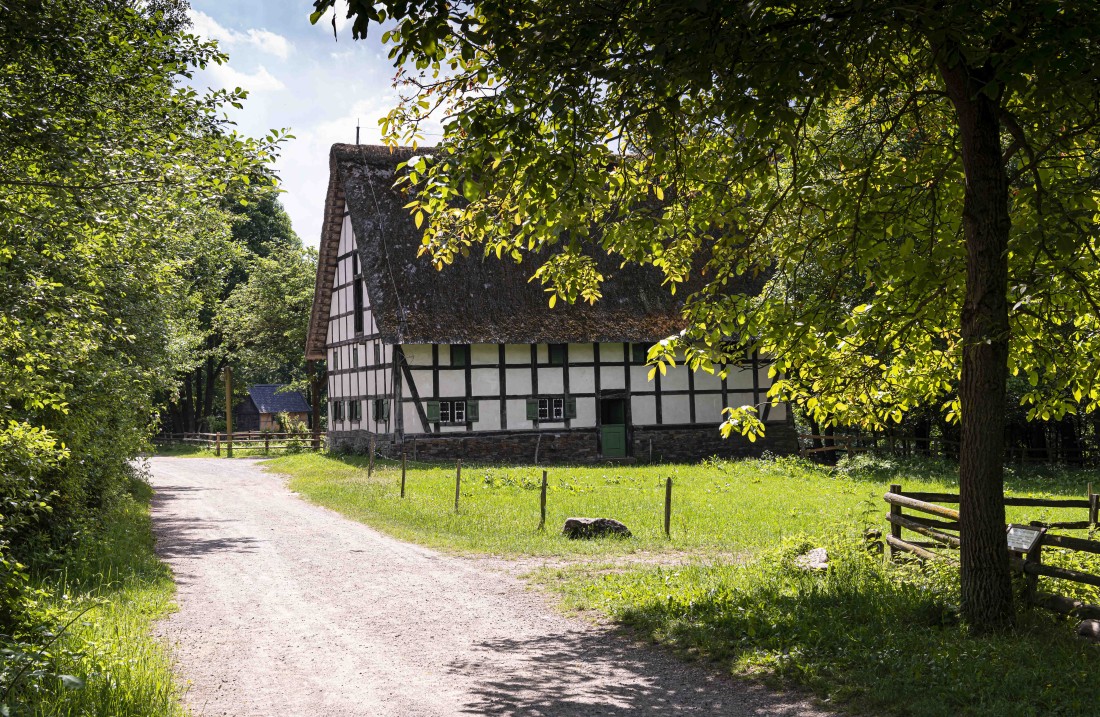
866 636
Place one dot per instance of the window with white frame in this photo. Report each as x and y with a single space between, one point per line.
551 408
452 411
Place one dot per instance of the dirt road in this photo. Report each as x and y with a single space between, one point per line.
287 608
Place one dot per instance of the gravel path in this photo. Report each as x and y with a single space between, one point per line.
287 608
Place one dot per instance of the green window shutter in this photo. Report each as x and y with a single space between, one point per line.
557 354
433 411
638 353
472 411
385 409
570 407
460 354
532 409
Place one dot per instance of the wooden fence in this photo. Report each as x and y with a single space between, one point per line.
938 531
851 444
245 441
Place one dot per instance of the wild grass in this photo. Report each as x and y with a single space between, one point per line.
866 635
185 450
870 636
719 507
110 590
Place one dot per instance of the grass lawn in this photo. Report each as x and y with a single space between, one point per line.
184 450
875 637
109 591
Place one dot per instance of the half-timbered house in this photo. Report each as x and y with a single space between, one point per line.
471 362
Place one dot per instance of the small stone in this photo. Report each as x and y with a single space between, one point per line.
816 559
594 528
1089 630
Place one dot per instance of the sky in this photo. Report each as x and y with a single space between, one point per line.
300 78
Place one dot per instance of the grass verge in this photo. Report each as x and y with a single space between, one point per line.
874 637
117 579
719 507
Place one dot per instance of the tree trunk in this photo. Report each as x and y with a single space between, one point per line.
188 414
985 580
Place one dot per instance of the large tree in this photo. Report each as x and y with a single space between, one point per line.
111 171
920 179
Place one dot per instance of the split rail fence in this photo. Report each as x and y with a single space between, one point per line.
262 441
937 528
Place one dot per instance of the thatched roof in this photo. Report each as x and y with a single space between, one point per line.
477 299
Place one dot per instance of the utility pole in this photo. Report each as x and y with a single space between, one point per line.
228 411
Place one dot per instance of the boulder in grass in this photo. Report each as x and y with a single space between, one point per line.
594 528
1089 630
816 559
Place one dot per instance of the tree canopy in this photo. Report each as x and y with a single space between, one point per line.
918 180
112 176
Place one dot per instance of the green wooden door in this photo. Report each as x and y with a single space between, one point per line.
613 427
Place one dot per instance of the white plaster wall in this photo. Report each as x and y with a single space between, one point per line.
517 414
675 378
639 380
582 379
488 415
418 354
586 413
517 353
423 380
708 409
643 410
612 378
740 379
675 409
551 380
519 382
581 353
452 383
707 381
485 381
612 352
484 354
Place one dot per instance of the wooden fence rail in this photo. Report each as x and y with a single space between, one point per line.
1027 562
244 440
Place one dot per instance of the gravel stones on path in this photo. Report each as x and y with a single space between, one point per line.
287 608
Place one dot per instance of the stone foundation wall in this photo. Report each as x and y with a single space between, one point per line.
672 444
657 443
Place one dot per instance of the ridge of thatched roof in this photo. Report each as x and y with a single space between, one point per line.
476 299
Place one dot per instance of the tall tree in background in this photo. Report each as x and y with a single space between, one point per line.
921 177
112 173
260 235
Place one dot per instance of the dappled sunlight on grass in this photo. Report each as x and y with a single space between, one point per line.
882 638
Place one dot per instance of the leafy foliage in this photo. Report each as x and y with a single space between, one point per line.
113 178
919 182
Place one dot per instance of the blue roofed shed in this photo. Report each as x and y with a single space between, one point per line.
260 411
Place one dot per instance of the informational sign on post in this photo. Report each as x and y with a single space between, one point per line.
1024 538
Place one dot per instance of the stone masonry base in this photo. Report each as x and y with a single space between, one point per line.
647 444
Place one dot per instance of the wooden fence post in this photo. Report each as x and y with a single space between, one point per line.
267 443
402 473
370 461
542 503
458 482
217 444
668 506
895 529
1094 510
228 411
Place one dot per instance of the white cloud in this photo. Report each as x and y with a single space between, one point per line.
259 81
264 40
